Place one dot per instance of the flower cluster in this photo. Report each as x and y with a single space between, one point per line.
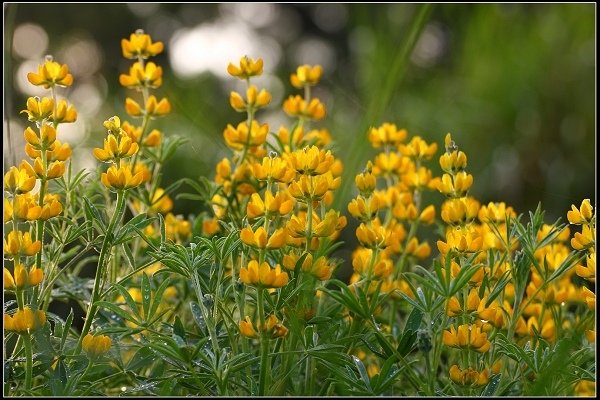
278 191
28 201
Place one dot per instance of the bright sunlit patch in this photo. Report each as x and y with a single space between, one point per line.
211 47
23 84
82 54
30 41
257 15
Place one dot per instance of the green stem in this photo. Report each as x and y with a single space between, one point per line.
102 261
28 361
264 344
210 322
382 96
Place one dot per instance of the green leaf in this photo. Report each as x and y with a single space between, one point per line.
413 322
492 386
178 328
163 229
197 314
66 328
129 300
93 214
406 342
362 372
158 295
146 296
115 309
144 357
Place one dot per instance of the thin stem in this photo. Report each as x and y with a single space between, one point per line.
264 344
104 252
28 361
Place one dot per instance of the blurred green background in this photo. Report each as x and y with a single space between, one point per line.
513 83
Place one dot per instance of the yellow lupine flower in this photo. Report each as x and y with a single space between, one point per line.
134 132
427 216
24 321
306 75
51 208
373 237
332 222
19 180
57 152
546 229
23 207
275 169
121 177
391 164
291 138
113 125
210 226
44 140
153 139
116 148
418 148
495 212
142 169
468 377
254 99
65 113
55 169
589 297
247 328
263 275
585 239
318 137
153 107
366 181
455 186
419 250
247 68
22 277
461 240
588 272
417 179
453 162
590 335
364 209
296 106
467 336
311 160
20 243
280 204
177 229
583 215
313 188
386 134
95 346
38 109
361 263
548 330
140 45
148 76
239 137
260 240
585 388
51 73
460 211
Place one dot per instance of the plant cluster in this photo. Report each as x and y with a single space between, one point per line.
242 298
